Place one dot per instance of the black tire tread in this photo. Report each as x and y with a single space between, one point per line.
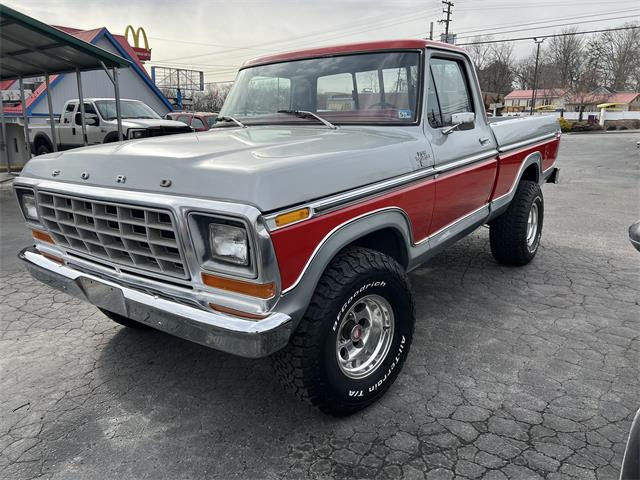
505 235
295 364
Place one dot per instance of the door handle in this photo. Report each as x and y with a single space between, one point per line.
484 140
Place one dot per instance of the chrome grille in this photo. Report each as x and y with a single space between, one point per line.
128 235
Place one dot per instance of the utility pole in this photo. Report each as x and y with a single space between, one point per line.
535 74
431 31
446 21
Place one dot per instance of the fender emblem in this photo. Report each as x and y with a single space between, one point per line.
55 173
165 183
84 175
121 179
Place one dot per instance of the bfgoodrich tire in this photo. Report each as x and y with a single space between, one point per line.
354 338
515 235
124 321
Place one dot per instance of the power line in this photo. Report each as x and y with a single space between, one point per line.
481 31
350 29
567 34
552 26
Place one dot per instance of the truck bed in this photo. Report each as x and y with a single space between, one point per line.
512 131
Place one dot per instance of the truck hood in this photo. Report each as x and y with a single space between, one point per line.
147 122
270 167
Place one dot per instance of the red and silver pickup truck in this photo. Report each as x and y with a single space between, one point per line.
288 229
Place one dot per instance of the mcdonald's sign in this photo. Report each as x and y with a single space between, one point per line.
143 52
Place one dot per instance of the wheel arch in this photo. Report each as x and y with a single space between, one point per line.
42 139
113 136
387 230
530 170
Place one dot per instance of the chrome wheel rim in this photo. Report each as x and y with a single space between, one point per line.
532 226
364 336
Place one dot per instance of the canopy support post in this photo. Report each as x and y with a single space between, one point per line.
4 148
25 119
54 139
113 77
116 87
81 101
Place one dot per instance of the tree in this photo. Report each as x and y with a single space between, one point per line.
566 55
212 98
494 65
620 53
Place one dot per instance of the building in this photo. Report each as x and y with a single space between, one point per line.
588 102
135 82
520 100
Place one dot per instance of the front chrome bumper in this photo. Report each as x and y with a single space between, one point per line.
246 338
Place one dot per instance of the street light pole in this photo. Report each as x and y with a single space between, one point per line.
535 74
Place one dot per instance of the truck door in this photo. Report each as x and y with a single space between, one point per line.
465 157
95 133
67 126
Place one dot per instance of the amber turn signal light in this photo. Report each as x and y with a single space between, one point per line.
291 217
260 290
42 236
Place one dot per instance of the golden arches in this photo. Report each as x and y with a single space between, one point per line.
136 36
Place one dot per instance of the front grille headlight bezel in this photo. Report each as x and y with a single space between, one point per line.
29 212
137 133
200 228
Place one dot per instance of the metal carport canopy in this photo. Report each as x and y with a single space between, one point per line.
28 48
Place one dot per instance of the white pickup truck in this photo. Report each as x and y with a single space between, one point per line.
138 121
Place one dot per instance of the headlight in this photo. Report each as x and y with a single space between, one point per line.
223 244
137 133
229 244
27 201
29 206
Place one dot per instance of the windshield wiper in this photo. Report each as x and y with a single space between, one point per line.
227 118
306 114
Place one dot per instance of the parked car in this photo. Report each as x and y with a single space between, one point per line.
138 121
198 121
288 230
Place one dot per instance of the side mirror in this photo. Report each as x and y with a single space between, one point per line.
90 119
460 120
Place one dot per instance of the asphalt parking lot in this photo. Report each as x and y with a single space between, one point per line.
514 372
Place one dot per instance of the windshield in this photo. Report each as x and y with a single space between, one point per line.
358 89
130 109
211 120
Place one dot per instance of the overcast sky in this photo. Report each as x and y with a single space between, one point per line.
217 36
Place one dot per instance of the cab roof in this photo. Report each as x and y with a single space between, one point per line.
407 44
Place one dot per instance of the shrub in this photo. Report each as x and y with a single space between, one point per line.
565 125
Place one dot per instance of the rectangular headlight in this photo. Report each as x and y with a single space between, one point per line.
138 134
27 201
229 244
29 206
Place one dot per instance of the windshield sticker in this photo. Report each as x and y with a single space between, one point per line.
404 114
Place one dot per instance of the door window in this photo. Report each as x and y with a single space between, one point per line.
183 119
448 92
196 123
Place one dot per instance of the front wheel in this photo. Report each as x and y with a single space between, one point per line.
515 235
354 338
